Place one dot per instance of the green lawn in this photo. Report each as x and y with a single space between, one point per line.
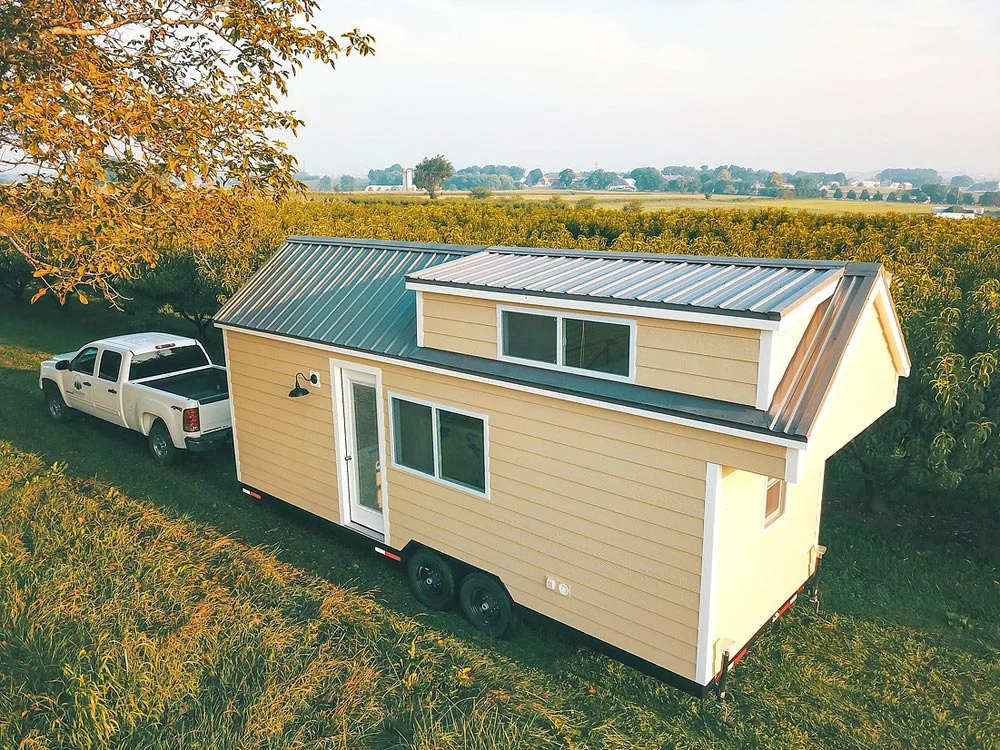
149 608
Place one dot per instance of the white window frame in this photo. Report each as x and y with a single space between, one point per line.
435 436
559 365
769 521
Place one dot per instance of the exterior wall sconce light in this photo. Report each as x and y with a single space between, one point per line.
299 390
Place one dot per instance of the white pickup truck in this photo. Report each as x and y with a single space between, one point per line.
161 385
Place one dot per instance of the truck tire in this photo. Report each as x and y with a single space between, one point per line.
161 446
486 604
56 406
431 579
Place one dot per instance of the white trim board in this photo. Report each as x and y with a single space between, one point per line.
706 600
655 415
232 410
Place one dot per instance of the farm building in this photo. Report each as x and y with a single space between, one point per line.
631 444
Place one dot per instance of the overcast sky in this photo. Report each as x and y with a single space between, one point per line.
837 85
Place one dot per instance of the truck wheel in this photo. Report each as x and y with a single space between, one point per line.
56 406
486 604
160 444
431 579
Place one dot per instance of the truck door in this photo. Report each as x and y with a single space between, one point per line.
107 388
79 380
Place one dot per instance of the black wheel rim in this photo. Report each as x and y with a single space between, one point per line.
430 582
486 609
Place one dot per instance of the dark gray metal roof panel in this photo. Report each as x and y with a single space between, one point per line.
352 293
338 291
810 373
714 285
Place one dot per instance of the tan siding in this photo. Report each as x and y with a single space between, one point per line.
286 445
757 569
864 390
608 502
467 326
714 361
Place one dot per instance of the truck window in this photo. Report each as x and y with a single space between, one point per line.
84 362
111 365
162 361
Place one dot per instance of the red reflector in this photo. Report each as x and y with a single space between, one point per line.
163 346
254 495
390 555
192 420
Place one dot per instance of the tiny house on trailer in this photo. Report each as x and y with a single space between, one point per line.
630 444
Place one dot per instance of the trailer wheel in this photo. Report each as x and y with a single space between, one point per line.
160 445
431 579
58 410
486 604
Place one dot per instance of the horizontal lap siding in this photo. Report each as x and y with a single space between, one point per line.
757 569
286 445
467 326
714 361
608 502
545 518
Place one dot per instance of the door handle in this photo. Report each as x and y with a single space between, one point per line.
86 383
112 390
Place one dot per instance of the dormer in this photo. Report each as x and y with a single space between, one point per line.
719 328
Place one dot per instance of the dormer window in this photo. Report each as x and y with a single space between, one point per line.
603 347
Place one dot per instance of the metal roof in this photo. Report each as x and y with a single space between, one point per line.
733 286
343 292
352 293
810 373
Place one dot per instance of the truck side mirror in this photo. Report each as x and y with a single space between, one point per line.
62 364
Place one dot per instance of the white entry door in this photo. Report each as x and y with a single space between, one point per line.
362 469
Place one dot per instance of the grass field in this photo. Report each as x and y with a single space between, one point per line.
150 608
666 201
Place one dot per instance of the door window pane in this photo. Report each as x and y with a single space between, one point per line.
598 346
85 361
366 445
414 436
111 365
461 442
529 336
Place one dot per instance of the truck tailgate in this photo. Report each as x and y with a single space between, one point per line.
215 415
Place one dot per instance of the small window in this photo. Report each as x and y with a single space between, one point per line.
111 365
565 341
595 345
528 336
84 362
414 435
774 501
445 445
461 438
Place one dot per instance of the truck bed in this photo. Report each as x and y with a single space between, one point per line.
206 386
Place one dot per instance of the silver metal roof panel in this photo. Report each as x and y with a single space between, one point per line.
723 285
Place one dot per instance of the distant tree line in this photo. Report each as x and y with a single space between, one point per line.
895 184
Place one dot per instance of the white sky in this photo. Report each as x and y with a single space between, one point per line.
771 84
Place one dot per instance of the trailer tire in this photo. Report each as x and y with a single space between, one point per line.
486 604
431 579
56 405
161 446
